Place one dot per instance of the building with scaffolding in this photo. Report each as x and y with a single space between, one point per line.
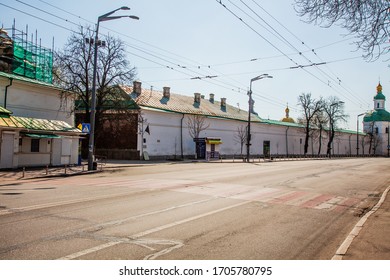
36 127
20 57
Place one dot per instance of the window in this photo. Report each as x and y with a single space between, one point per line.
376 130
387 130
35 145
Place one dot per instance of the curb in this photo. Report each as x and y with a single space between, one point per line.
342 250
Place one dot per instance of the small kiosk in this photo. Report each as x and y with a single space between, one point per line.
207 148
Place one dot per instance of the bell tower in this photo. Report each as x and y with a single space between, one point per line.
379 99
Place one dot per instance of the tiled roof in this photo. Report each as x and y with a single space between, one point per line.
185 104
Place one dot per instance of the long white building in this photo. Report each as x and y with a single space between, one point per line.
165 128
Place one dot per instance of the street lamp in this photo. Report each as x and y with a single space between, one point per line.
104 17
357 133
248 137
388 139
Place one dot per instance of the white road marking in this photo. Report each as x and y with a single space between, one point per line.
67 202
150 231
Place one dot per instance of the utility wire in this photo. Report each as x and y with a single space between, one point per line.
310 49
31 15
158 56
278 36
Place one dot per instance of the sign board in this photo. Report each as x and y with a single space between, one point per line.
85 127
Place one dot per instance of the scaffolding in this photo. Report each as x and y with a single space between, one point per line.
20 57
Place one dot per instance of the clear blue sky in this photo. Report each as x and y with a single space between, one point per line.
178 40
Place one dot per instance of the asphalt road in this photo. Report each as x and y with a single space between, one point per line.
279 210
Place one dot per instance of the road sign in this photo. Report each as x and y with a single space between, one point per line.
86 127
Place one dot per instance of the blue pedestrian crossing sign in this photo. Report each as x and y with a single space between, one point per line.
85 127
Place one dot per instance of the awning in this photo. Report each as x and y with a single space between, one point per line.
40 135
216 142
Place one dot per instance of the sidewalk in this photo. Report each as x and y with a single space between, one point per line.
369 240
373 234
63 171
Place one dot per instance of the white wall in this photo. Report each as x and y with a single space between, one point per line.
42 102
8 144
164 139
35 101
383 137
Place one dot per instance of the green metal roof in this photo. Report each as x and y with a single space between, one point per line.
40 135
115 99
380 115
379 96
28 80
289 124
4 112
34 124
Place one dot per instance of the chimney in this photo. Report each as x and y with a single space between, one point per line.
212 98
197 97
166 92
223 103
137 87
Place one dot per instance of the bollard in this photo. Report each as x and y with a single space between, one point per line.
65 169
47 169
24 170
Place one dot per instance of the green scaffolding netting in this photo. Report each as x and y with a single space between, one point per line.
33 61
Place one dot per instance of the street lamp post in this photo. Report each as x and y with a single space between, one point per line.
388 139
105 17
248 137
357 133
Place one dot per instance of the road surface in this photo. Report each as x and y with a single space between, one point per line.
198 211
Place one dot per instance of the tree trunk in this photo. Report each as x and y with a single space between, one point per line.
329 148
320 141
306 146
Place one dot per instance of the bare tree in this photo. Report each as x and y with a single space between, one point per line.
373 139
73 71
241 136
319 122
368 21
196 124
310 107
334 109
